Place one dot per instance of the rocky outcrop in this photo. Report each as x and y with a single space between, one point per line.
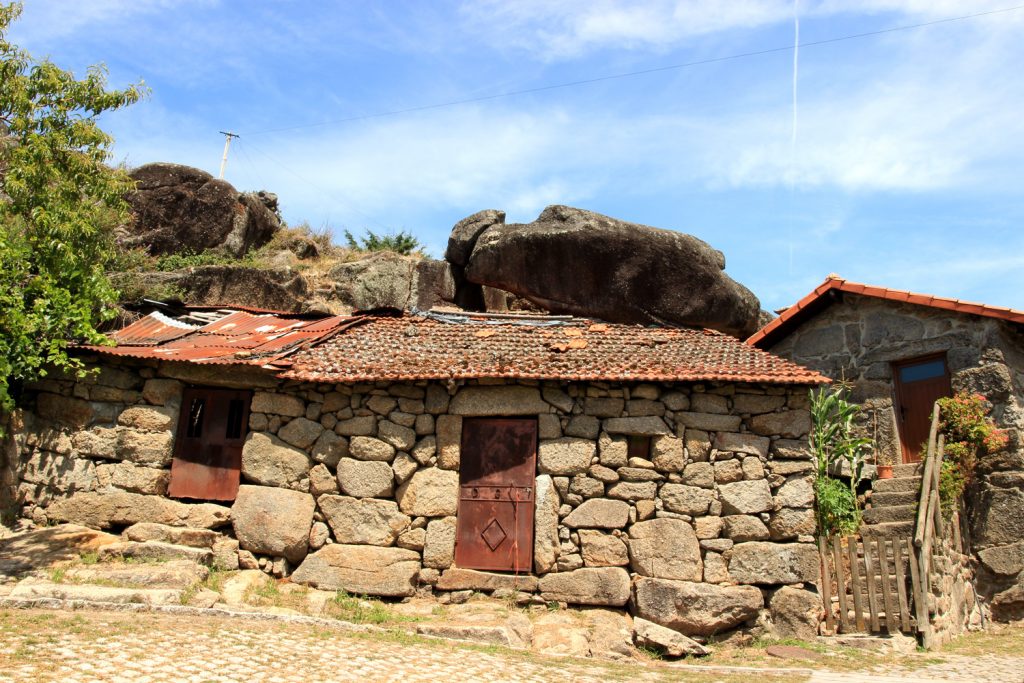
180 208
277 290
583 263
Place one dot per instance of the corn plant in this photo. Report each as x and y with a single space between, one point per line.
833 442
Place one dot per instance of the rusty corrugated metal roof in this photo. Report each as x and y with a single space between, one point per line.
151 330
240 337
417 347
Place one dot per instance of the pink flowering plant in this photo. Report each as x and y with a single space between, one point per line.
969 432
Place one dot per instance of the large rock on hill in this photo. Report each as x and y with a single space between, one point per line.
179 208
386 279
583 263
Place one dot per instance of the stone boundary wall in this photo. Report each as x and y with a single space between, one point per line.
11 442
953 602
355 487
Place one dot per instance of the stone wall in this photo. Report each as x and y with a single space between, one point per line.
355 487
10 448
953 601
857 339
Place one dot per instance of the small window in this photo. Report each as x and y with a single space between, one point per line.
235 409
639 447
922 371
196 414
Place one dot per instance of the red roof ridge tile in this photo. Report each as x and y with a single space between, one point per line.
777 328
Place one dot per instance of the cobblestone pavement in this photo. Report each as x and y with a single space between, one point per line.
80 647
980 668
145 647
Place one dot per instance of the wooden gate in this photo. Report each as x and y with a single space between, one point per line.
873 581
496 477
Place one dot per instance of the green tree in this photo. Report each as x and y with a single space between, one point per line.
59 205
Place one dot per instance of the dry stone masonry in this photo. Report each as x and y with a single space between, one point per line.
355 487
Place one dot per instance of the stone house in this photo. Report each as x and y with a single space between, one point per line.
392 454
900 351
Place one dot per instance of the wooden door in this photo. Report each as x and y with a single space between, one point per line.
919 383
496 478
208 448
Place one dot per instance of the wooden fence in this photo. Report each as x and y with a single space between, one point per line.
874 582
882 584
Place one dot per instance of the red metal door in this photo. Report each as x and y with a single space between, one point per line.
496 476
919 383
208 448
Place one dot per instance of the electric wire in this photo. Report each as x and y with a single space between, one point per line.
641 72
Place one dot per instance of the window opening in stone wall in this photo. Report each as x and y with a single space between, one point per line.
235 408
639 447
208 448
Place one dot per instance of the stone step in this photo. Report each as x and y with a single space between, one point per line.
889 513
175 535
154 551
31 588
172 574
887 530
910 469
894 485
490 635
878 499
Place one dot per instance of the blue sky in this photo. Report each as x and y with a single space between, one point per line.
905 169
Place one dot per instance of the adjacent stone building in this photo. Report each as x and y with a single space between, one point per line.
663 469
900 351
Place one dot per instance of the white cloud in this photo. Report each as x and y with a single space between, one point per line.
562 29
567 28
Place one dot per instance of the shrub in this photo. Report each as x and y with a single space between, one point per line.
401 243
837 506
968 432
191 259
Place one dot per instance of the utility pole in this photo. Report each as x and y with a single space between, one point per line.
227 144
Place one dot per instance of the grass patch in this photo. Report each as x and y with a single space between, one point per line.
362 610
215 580
90 557
650 653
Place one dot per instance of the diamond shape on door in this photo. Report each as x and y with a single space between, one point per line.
494 535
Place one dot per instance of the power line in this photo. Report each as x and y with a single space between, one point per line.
631 74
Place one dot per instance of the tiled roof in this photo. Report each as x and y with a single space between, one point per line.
822 296
435 346
240 337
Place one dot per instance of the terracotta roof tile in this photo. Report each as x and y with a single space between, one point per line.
417 347
790 318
